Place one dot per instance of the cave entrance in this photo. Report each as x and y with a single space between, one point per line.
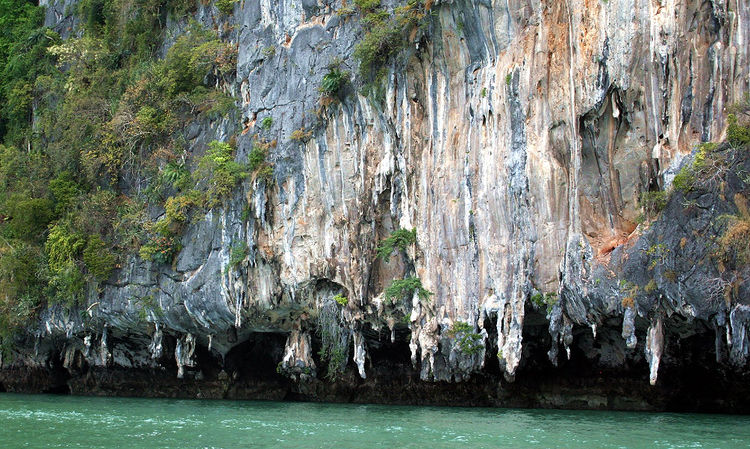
2 388
58 377
256 357
388 359
61 389
206 362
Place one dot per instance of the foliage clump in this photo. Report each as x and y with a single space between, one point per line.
161 249
301 135
91 131
403 288
387 33
738 130
177 175
220 172
737 135
734 244
630 291
194 57
258 163
177 208
266 123
165 242
653 203
63 248
237 254
22 285
226 7
98 259
399 239
651 286
333 81
708 166
544 300
258 155
24 59
341 300
149 305
468 341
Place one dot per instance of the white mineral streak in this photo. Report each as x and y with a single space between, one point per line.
69 355
298 361
359 353
739 320
424 343
654 348
183 354
155 348
508 339
86 345
232 286
104 354
415 319
628 327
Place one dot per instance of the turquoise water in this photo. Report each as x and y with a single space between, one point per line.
65 421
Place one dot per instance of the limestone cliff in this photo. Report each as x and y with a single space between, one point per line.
516 137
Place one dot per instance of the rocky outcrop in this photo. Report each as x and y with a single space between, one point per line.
516 138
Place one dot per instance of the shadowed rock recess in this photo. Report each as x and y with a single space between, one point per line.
505 147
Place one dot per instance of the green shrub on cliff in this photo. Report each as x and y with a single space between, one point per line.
79 176
544 300
333 81
220 172
177 208
22 284
65 190
98 259
64 247
653 202
23 59
737 135
386 34
226 7
367 5
27 217
266 123
237 254
161 249
468 341
258 163
192 58
341 300
734 243
258 155
708 166
405 288
164 243
399 239
738 130
684 179
177 175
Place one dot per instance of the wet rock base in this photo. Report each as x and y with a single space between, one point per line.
601 374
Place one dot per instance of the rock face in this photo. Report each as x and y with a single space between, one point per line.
516 137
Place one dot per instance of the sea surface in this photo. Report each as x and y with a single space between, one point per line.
42 421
